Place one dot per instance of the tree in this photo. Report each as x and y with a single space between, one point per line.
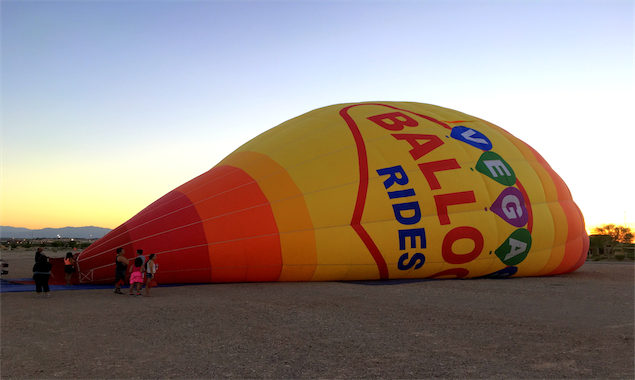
618 234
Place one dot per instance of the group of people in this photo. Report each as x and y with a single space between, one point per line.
42 271
141 271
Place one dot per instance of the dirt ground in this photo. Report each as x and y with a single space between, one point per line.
578 325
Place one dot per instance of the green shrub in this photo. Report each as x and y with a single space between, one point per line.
619 257
630 255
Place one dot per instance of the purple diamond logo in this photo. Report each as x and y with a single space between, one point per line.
510 205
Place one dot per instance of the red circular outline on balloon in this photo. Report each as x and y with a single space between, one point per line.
362 190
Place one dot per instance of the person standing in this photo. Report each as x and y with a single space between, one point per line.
143 264
121 264
41 274
151 269
140 254
38 253
136 279
69 267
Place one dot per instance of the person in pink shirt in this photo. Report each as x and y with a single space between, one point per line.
136 278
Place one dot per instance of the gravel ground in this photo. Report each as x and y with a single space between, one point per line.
578 325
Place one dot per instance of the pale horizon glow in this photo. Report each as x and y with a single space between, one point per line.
109 105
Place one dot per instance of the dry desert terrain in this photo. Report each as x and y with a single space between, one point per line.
574 326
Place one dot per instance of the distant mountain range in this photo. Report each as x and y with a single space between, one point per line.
7 232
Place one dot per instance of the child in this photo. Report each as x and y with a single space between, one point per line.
136 279
151 269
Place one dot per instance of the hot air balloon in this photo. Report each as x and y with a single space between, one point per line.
360 191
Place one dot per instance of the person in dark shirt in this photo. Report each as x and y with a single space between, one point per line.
41 274
69 267
38 254
121 264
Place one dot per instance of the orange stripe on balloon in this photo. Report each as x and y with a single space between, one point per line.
239 224
296 230
576 234
583 256
576 239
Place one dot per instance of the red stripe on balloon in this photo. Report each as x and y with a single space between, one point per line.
530 222
362 191
96 264
361 195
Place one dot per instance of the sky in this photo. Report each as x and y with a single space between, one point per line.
109 105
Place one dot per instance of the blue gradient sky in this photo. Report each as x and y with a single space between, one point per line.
108 105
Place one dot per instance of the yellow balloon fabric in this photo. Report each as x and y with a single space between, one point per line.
363 191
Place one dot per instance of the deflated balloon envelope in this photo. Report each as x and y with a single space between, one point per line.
360 192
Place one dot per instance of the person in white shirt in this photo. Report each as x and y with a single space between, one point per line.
151 269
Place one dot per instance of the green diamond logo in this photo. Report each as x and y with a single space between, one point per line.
495 167
515 249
